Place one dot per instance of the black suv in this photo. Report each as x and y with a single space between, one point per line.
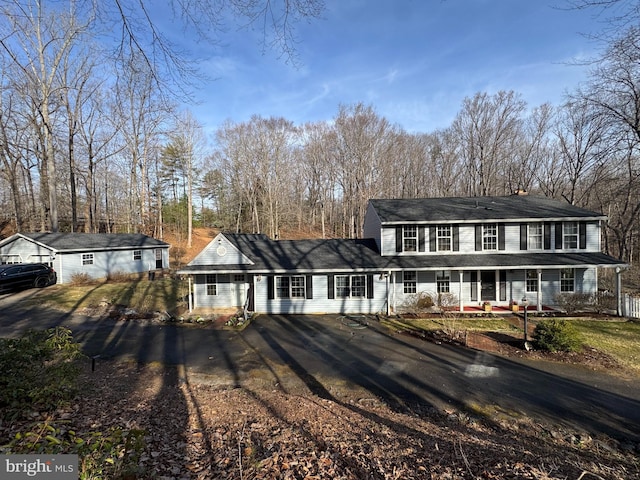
26 275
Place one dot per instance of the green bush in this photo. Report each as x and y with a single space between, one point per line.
111 454
556 335
38 371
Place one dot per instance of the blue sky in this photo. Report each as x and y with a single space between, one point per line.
414 61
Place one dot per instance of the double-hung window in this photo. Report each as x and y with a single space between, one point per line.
211 284
443 280
535 236
443 238
567 280
410 279
490 236
532 281
410 239
87 259
290 287
137 255
351 286
570 235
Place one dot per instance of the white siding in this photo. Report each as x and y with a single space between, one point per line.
321 303
26 250
106 262
229 293
467 241
220 252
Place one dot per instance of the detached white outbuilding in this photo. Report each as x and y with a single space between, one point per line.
95 254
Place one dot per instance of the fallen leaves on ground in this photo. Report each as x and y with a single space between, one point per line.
198 431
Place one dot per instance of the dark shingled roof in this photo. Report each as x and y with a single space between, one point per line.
345 255
309 255
94 241
468 209
505 260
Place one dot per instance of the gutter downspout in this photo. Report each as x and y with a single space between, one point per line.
619 291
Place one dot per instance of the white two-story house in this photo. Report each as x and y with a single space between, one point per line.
490 249
478 250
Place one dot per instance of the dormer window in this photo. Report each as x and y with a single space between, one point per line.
410 239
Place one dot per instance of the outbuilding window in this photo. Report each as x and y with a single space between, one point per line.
87 259
137 255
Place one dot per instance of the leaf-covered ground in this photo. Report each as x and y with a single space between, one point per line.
196 431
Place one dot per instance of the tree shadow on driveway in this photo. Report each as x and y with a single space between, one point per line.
407 373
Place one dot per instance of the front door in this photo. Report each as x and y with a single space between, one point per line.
488 285
238 290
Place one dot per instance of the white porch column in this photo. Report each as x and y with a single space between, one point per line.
460 306
539 292
190 296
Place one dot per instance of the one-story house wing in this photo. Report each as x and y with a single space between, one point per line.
93 254
289 276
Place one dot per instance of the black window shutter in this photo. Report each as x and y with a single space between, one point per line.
503 285
478 238
474 286
308 283
501 236
455 232
369 286
398 239
582 231
421 246
331 292
523 236
432 238
270 288
558 235
547 235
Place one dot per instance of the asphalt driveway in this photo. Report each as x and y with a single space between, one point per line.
344 361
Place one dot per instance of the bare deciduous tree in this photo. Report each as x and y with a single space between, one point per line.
487 128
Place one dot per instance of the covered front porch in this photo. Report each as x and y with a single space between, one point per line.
498 290
505 309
